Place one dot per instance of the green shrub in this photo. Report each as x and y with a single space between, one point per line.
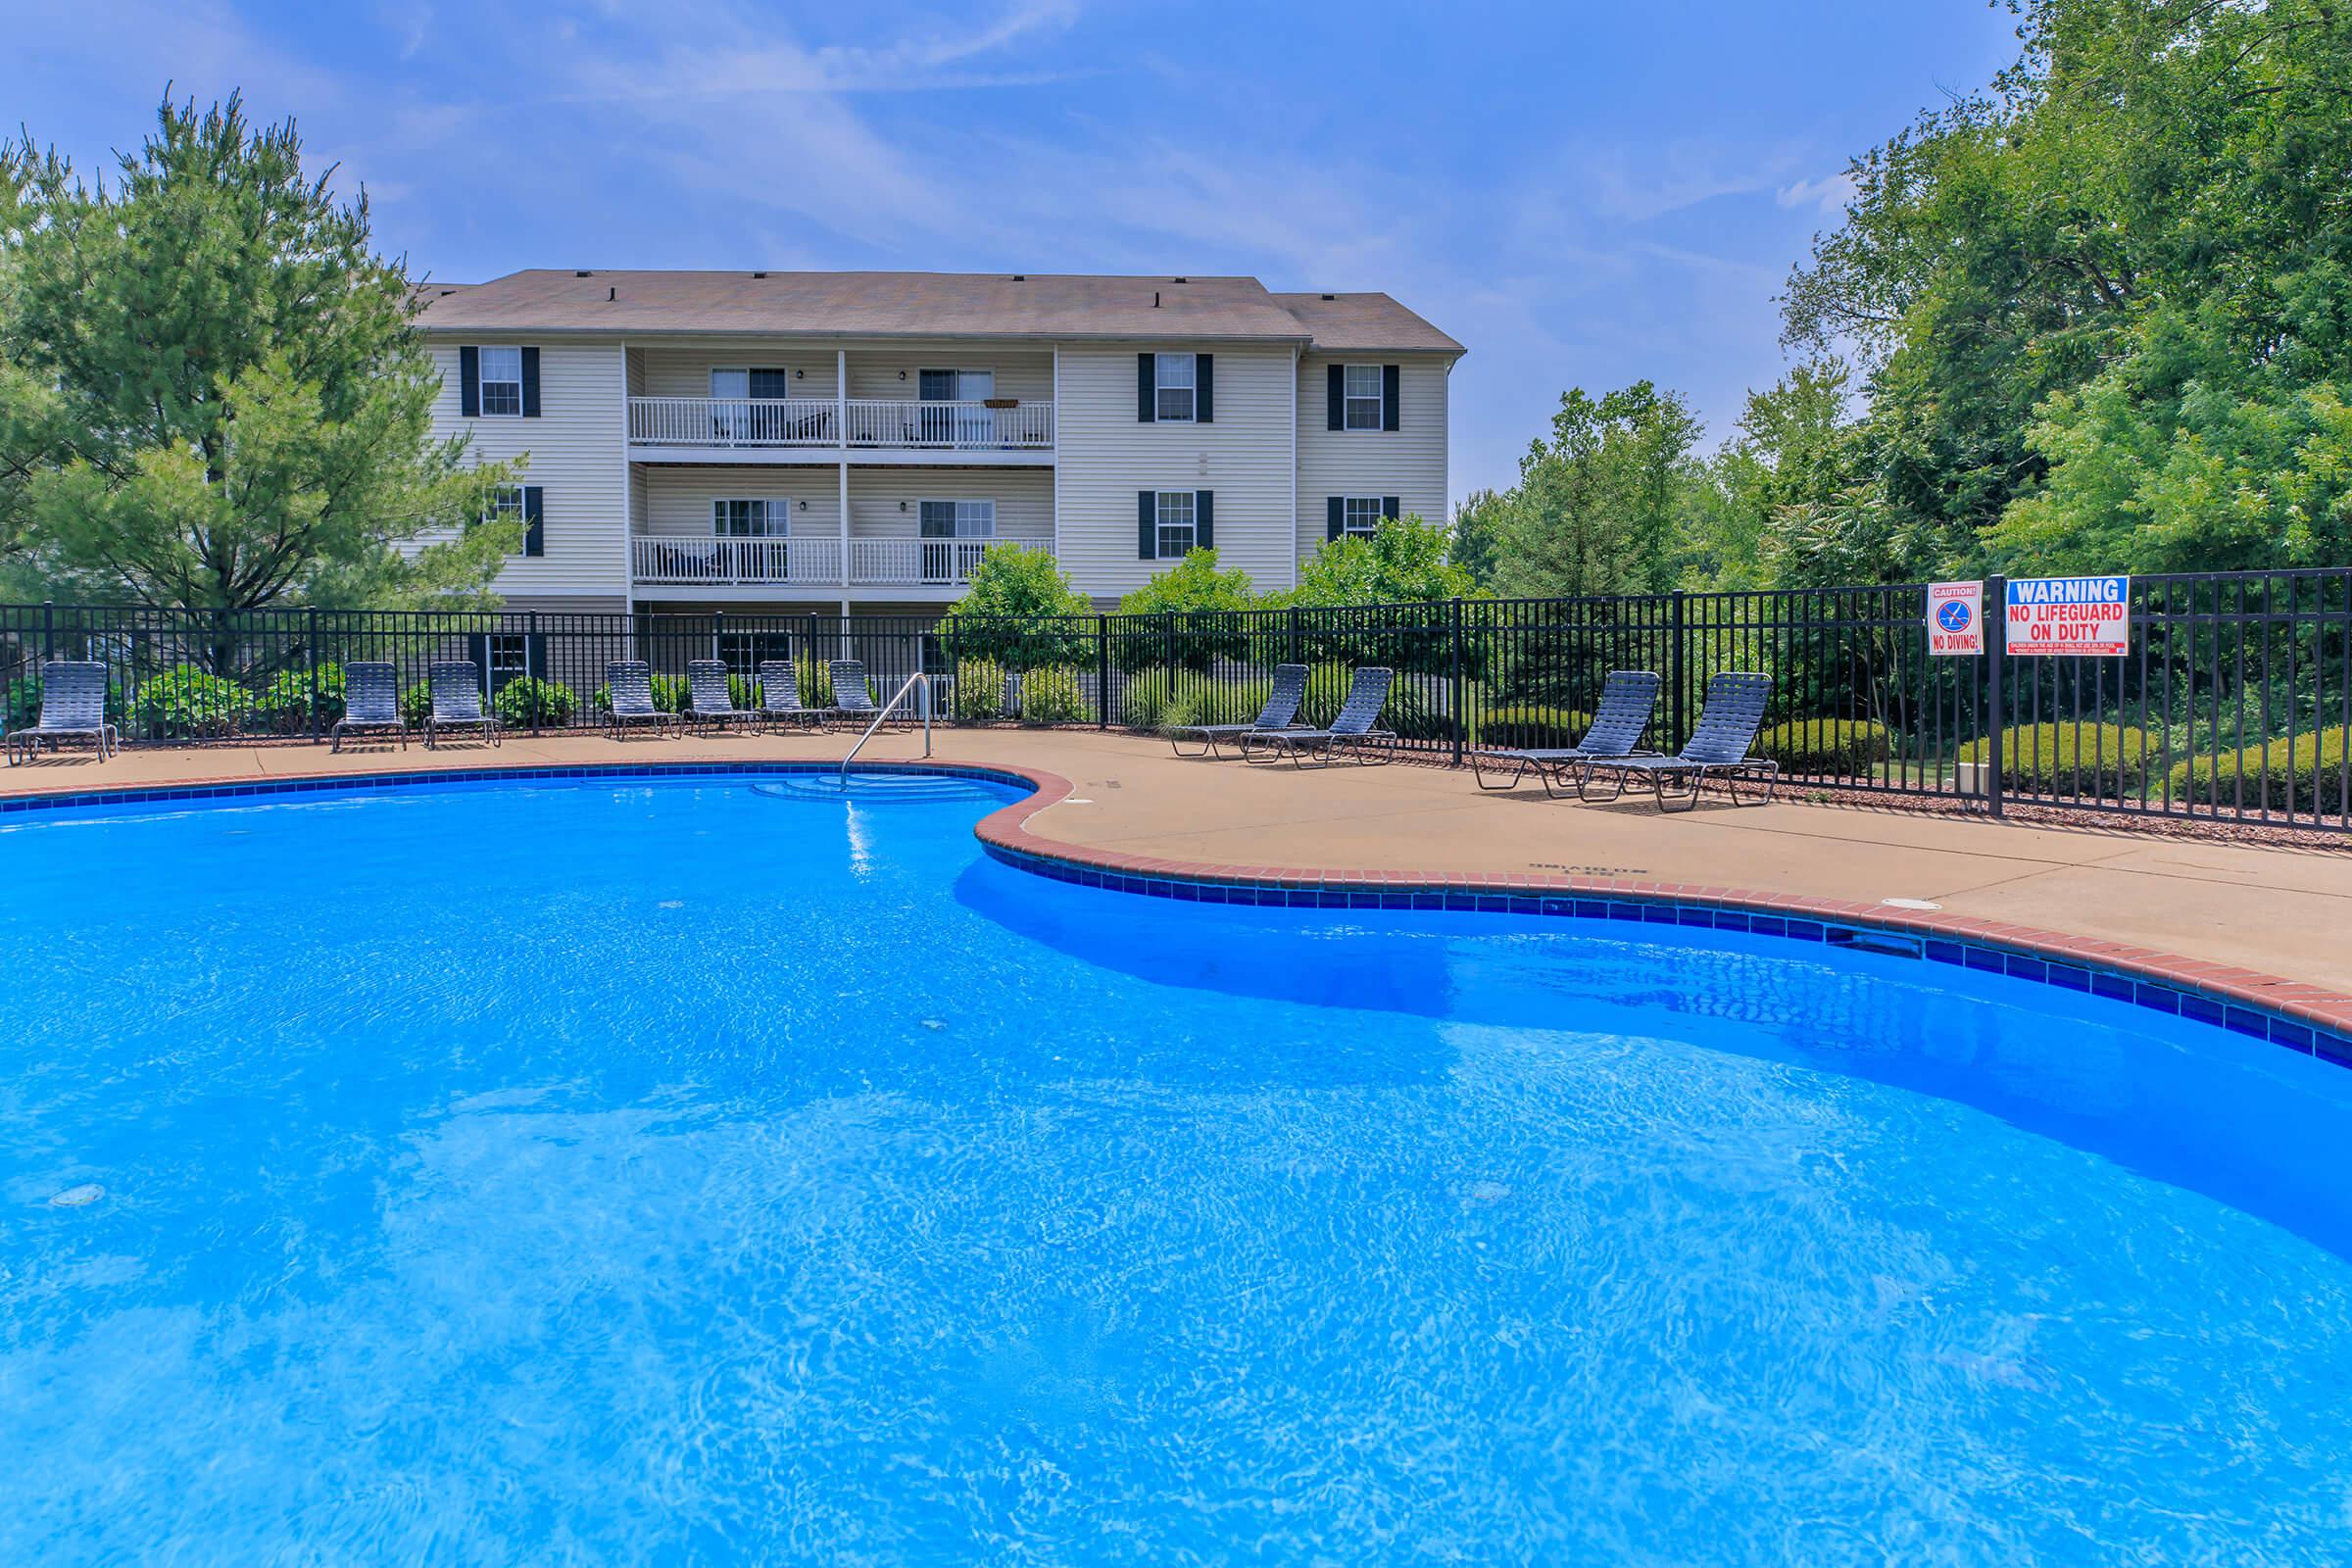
1052 695
186 702
1531 725
2098 760
817 683
284 703
979 694
2306 775
1145 700
519 699
1845 747
417 705
1218 701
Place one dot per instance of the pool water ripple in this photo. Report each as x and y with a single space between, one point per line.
625 1172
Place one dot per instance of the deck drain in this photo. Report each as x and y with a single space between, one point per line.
77 1197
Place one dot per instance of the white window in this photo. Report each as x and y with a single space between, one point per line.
751 518
958 520
509 655
504 503
1364 411
1173 382
1359 516
1177 530
502 382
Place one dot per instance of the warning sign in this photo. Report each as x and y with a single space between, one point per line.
2089 617
1956 617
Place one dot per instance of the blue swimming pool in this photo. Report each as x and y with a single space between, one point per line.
723 1170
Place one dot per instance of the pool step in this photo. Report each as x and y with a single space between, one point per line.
872 788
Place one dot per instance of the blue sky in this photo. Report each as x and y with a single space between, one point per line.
1584 194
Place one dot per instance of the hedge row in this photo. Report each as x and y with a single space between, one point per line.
2104 760
2306 775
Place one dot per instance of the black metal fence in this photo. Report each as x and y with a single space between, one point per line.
2233 701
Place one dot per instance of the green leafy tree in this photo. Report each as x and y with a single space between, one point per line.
1019 610
1477 544
1404 562
211 396
1604 506
1193 584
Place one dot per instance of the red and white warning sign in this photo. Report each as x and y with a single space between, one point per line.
1956 617
2085 617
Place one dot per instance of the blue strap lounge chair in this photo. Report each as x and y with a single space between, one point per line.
629 699
709 700
1627 698
370 703
1352 733
780 695
455 688
1280 712
852 697
1719 746
73 708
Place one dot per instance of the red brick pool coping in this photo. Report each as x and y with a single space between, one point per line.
2318 1011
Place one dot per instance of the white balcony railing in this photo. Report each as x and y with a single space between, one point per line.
735 421
958 427
915 562
728 563
962 426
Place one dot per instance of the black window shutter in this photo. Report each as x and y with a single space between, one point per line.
530 383
469 382
1391 380
1388 507
534 522
1335 399
1147 523
1335 517
1204 389
1146 387
1204 516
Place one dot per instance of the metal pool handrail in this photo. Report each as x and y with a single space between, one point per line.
917 680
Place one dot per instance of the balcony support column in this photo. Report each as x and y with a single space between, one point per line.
845 521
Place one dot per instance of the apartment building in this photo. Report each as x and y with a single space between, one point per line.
853 441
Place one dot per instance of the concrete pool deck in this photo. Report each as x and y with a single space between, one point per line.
2239 912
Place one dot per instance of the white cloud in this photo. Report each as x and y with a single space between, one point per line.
1832 193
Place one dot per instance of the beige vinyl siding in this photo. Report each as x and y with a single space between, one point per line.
575 448
677 500
1024 499
1106 455
1025 374
1407 463
682 368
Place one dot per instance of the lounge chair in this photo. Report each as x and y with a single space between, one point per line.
1280 712
708 699
780 695
852 697
1727 727
629 699
1351 732
73 706
1626 700
370 703
456 692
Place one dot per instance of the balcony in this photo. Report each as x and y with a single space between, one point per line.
735 562
755 429
810 562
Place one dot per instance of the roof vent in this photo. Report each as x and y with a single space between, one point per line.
1331 296
758 274
1156 299
1020 277
613 293
447 292
1179 280
583 273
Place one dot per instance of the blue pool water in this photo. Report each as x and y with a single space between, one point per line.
710 1171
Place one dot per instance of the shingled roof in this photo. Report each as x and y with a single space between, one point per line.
918 304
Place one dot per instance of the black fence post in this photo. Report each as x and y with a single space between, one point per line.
1996 649
533 669
48 630
1102 672
1294 637
1677 705
312 640
1461 686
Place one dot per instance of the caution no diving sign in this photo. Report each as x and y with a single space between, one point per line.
2088 618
